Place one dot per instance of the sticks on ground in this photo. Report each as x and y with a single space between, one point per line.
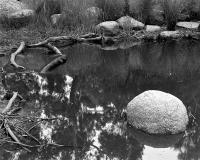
55 39
13 136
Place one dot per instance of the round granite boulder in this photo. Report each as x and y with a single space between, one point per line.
156 112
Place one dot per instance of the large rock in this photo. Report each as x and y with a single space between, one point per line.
129 23
156 112
14 13
108 28
152 28
188 25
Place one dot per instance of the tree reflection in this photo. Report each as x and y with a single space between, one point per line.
89 104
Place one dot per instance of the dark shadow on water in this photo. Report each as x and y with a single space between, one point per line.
91 90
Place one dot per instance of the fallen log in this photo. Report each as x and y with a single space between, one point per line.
55 39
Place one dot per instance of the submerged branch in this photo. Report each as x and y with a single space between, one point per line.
56 62
13 55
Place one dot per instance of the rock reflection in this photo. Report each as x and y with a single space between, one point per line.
88 94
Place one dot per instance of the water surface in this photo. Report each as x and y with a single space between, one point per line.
90 92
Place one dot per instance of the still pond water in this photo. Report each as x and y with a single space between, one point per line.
89 93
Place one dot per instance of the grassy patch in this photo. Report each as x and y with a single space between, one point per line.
171 10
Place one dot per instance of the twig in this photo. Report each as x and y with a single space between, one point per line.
22 144
12 135
37 123
60 145
28 134
10 102
13 55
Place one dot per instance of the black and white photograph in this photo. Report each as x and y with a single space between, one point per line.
99 79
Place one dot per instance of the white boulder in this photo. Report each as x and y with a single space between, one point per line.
156 112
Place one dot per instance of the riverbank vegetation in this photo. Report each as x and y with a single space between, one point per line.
79 17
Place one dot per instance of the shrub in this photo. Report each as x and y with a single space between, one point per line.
141 10
112 9
193 9
171 9
44 9
145 10
73 12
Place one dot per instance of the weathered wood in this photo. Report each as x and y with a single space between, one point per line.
13 55
56 62
53 48
11 101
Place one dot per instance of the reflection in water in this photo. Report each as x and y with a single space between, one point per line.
89 93
159 153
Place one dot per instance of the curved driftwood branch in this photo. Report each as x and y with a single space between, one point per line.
56 62
53 48
13 55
